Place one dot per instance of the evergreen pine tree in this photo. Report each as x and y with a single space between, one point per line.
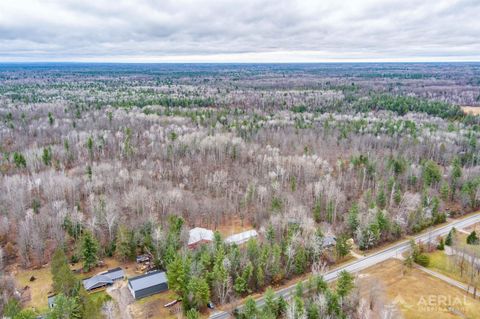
441 244
345 283
270 303
472 239
449 239
250 308
89 251
198 292
65 307
64 280
381 198
353 221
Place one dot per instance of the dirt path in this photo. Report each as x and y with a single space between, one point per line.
119 292
354 254
450 281
463 231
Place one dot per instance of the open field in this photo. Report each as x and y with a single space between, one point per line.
444 264
475 110
475 227
129 267
153 307
419 295
38 289
461 244
235 226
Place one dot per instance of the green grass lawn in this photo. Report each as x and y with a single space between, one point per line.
446 265
461 243
100 296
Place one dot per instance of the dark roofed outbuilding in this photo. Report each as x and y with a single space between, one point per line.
142 259
148 284
103 279
114 273
329 241
51 301
97 281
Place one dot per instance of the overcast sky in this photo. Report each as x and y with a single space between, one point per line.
239 30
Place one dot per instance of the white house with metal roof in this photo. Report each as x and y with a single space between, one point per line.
241 238
198 236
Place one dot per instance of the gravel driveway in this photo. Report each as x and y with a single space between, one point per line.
120 293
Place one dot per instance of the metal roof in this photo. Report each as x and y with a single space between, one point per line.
143 258
106 278
198 234
241 237
329 241
98 279
114 274
51 301
148 280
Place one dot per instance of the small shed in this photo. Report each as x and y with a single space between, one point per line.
51 301
148 284
329 241
199 236
241 238
143 259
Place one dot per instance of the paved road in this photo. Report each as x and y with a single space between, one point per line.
373 259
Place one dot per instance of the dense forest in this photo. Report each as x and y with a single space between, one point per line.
118 160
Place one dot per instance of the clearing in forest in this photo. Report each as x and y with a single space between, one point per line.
419 295
475 110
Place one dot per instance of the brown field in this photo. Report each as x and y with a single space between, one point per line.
129 267
419 295
35 292
474 227
475 110
38 289
153 307
234 226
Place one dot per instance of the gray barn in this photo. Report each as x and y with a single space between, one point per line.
148 284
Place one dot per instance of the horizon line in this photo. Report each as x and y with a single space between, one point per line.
232 62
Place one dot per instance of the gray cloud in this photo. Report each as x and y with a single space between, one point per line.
247 30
